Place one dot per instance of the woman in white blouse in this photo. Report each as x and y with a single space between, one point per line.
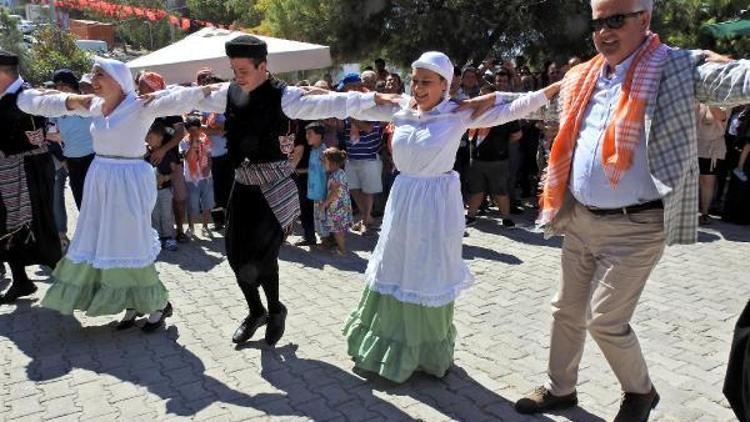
404 321
109 266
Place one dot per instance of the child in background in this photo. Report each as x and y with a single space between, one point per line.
196 148
317 178
162 218
337 206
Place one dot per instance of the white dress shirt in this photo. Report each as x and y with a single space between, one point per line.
588 182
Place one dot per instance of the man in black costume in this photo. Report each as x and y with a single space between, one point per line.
27 229
263 203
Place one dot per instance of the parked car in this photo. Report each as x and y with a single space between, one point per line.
94 46
23 25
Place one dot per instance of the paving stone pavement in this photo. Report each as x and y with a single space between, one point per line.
77 368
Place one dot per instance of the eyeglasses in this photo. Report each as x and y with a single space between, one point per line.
612 22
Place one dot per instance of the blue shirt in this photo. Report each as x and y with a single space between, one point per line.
316 175
588 181
368 145
76 136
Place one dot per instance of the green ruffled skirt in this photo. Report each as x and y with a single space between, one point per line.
394 339
104 292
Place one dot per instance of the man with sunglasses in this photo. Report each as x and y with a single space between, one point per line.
622 184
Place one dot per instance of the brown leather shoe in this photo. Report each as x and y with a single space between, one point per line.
637 407
541 400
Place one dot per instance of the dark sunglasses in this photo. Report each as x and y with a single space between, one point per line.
612 22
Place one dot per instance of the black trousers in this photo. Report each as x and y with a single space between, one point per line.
223 176
737 380
307 208
77 169
253 239
40 245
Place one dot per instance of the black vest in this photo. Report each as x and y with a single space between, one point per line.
14 124
254 122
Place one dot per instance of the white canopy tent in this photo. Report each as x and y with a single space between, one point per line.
179 62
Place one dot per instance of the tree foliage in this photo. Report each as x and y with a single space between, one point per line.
681 23
468 30
11 39
137 32
54 49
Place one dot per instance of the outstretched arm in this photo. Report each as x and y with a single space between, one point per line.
492 109
177 100
298 103
721 81
54 103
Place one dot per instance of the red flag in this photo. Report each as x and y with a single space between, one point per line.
185 24
174 20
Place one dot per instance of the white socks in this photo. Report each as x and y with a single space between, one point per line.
154 317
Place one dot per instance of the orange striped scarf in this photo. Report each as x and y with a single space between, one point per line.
623 132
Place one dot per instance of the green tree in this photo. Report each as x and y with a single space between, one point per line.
11 39
681 23
467 30
137 32
54 49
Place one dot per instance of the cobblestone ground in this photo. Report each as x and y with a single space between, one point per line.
64 368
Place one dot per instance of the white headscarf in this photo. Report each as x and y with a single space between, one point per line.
437 62
118 71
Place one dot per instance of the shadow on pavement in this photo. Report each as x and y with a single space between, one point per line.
478 252
728 231
523 234
314 388
314 258
57 344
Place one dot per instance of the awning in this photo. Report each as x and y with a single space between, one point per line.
729 29
179 62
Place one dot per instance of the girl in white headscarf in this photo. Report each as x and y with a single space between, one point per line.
109 266
404 321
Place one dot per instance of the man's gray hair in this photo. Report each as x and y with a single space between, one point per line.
647 5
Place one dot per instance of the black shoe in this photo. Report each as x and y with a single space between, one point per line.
152 326
306 243
14 292
507 222
516 210
248 327
182 238
127 323
637 407
471 221
276 325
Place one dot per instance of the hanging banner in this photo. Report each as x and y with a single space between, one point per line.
123 11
